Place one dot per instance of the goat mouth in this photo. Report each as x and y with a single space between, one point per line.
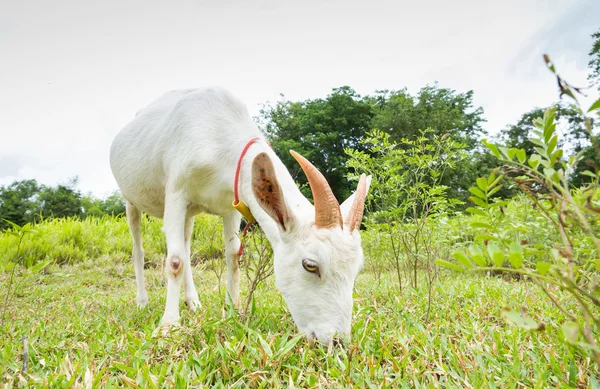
334 341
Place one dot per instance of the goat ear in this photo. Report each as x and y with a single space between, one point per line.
347 204
267 191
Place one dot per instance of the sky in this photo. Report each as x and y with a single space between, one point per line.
73 73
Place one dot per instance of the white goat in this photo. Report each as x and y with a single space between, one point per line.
178 158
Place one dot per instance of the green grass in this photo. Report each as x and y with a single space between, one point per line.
85 331
71 240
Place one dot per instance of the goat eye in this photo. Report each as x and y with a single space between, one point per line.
310 266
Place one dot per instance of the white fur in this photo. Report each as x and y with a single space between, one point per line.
178 158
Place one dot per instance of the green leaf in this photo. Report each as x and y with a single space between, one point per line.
482 184
480 225
289 345
534 161
491 179
521 321
40 266
548 131
477 256
515 255
493 191
586 173
493 148
521 155
478 201
483 237
537 142
570 331
556 156
541 151
539 123
504 152
462 258
552 144
477 192
542 267
548 124
549 172
476 211
449 265
495 182
595 106
495 253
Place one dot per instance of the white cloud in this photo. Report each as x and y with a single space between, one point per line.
73 73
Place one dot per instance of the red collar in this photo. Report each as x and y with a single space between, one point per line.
237 204
237 169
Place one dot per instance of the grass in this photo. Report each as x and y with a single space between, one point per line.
71 240
84 331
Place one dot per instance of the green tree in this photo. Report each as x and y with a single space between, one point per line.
594 63
18 202
60 201
320 130
441 110
112 205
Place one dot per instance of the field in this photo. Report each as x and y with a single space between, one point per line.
83 329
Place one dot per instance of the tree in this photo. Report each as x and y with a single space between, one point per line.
594 63
440 109
61 201
18 202
320 130
112 205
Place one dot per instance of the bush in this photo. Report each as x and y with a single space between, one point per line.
554 242
70 240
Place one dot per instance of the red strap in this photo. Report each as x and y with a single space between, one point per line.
239 165
236 182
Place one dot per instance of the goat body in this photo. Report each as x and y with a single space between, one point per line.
178 158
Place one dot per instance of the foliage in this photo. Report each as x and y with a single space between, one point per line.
60 201
569 261
570 123
406 193
18 203
27 201
594 63
441 110
19 233
319 129
257 263
71 240
575 137
112 205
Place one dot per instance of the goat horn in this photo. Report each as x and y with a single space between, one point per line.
355 214
327 208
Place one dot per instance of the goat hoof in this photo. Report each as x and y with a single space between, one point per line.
193 303
142 301
168 320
